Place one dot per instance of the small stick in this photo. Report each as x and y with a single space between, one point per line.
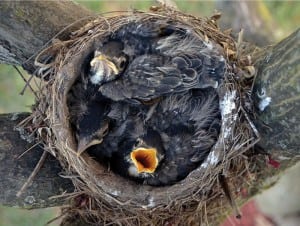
33 174
228 195
26 82
21 155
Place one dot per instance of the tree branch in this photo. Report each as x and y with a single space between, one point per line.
15 170
26 26
277 82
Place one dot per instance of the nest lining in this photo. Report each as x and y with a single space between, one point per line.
116 199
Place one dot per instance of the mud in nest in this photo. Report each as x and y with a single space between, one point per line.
102 195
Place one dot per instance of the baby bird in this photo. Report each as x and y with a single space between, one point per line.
162 59
139 158
88 113
108 63
92 126
171 143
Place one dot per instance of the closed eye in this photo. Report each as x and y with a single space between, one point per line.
122 61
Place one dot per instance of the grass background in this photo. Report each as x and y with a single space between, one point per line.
284 13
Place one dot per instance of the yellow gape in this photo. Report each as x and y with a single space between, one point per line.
144 159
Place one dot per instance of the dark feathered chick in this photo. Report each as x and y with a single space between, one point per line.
164 61
172 142
108 63
129 145
125 125
88 108
92 125
88 114
138 157
189 127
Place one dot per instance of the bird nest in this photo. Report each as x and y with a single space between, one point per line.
104 196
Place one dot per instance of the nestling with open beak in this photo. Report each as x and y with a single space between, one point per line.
175 140
138 158
146 155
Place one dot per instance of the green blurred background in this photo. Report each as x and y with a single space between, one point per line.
284 14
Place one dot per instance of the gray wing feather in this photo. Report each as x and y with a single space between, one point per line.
148 77
176 64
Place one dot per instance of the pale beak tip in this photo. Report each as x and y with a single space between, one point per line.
79 153
82 146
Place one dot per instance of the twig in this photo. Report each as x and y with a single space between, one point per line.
228 195
21 155
26 82
33 174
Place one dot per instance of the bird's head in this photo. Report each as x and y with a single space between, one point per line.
86 140
146 155
104 68
91 126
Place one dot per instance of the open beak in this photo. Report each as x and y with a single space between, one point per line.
144 159
84 144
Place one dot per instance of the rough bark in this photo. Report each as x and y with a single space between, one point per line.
16 169
278 80
277 98
26 26
278 75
